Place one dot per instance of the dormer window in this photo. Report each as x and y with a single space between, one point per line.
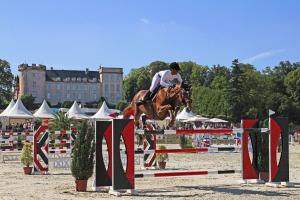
57 79
73 78
78 79
84 79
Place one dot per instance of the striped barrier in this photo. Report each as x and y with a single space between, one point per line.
122 178
55 146
186 173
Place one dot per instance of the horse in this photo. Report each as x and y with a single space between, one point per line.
165 103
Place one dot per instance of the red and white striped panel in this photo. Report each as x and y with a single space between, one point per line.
186 173
195 150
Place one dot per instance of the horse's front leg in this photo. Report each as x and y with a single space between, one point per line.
172 123
163 110
137 115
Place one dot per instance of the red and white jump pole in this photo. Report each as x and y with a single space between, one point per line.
186 173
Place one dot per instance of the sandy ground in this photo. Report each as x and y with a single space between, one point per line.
60 184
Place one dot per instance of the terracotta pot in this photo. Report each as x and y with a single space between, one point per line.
162 165
264 176
27 170
81 185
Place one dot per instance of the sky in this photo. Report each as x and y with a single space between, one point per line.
75 35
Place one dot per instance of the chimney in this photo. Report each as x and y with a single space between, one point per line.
51 68
86 71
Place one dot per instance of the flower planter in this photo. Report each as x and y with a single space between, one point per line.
81 185
162 165
27 170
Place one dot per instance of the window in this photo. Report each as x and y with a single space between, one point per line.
68 87
33 84
49 86
49 95
106 87
34 93
58 86
112 87
33 74
118 88
95 96
68 96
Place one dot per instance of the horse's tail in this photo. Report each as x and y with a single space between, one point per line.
128 111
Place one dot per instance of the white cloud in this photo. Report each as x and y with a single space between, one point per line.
263 55
144 20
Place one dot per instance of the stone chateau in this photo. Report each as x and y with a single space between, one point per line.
57 86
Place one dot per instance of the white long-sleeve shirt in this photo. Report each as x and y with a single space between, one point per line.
166 77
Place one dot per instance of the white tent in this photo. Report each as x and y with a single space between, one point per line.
76 113
216 120
184 114
197 118
103 113
8 108
19 111
44 111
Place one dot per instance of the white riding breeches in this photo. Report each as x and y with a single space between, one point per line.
155 82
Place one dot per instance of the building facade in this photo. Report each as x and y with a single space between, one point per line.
57 86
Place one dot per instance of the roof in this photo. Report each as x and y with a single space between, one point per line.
44 111
103 113
51 75
76 113
8 108
184 114
19 111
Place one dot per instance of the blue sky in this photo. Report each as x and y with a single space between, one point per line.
74 34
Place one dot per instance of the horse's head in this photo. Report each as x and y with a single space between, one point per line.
181 94
186 93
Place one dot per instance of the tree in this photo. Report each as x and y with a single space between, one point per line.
28 101
67 104
6 83
156 66
235 93
121 105
60 122
292 83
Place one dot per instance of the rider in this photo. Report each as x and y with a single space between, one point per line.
163 78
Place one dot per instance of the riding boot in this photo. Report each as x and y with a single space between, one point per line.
145 98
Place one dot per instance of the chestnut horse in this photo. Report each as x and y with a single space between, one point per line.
166 103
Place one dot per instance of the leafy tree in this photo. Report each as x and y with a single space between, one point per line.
28 101
6 78
186 70
156 66
121 104
67 104
292 83
199 75
60 122
235 93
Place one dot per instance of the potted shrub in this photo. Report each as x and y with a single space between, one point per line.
83 156
161 158
27 158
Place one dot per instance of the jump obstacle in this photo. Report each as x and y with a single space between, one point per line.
118 178
150 143
55 145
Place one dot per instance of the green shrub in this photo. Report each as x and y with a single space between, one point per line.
26 154
162 157
83 153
